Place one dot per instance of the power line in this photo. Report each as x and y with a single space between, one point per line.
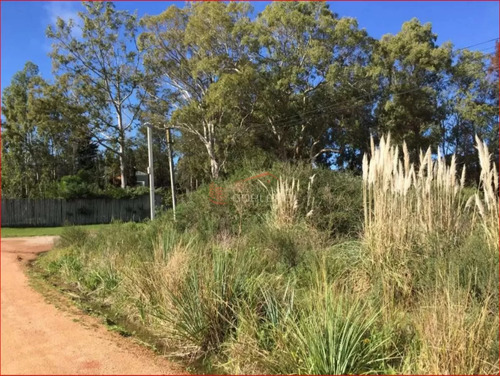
486 49
477 44
338 106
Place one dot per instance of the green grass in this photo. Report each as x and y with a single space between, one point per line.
11 232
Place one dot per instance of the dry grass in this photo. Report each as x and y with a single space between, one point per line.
419 213
284 203
151 282
456 335
403 205
486 202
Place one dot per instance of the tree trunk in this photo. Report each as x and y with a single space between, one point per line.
214 168
123 176
214 164
209 141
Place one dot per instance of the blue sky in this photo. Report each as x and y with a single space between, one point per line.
23 24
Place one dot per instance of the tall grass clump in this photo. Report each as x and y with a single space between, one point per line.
409 211
205 306
429 256
403 204
486 201
455 334
332 332
284 202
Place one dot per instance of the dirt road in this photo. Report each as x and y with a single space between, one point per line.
37 338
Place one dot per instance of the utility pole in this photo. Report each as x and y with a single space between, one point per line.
151 171
171 165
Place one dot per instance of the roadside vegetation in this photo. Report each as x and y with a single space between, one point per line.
315 272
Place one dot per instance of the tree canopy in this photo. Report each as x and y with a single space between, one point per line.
296 83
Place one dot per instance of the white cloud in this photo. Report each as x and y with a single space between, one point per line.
67 10
63 9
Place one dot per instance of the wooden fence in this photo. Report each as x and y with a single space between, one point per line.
56 212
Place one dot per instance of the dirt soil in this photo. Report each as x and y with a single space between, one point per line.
38 338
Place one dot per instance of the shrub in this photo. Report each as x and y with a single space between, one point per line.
205 306
196 211
331 201
73 186
335 336
73 236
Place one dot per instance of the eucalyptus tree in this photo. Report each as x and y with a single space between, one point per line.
63 127
313 66
472 108
20 145
97 54
412 71
43 135
203 71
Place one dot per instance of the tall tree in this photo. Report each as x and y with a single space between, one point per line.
62 124
412 71
472 108
313 66
100 61
40 131
199 56
20 162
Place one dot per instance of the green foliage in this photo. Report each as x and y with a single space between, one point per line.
205 307
311 57
333 202
102 70
116 192
415 116
72 235
330 200
337 337
73 186
39 133
219 105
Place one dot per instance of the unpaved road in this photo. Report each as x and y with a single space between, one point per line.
37 338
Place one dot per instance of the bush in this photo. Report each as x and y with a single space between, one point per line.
73 186
73 236
333 202
206 305
334 337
